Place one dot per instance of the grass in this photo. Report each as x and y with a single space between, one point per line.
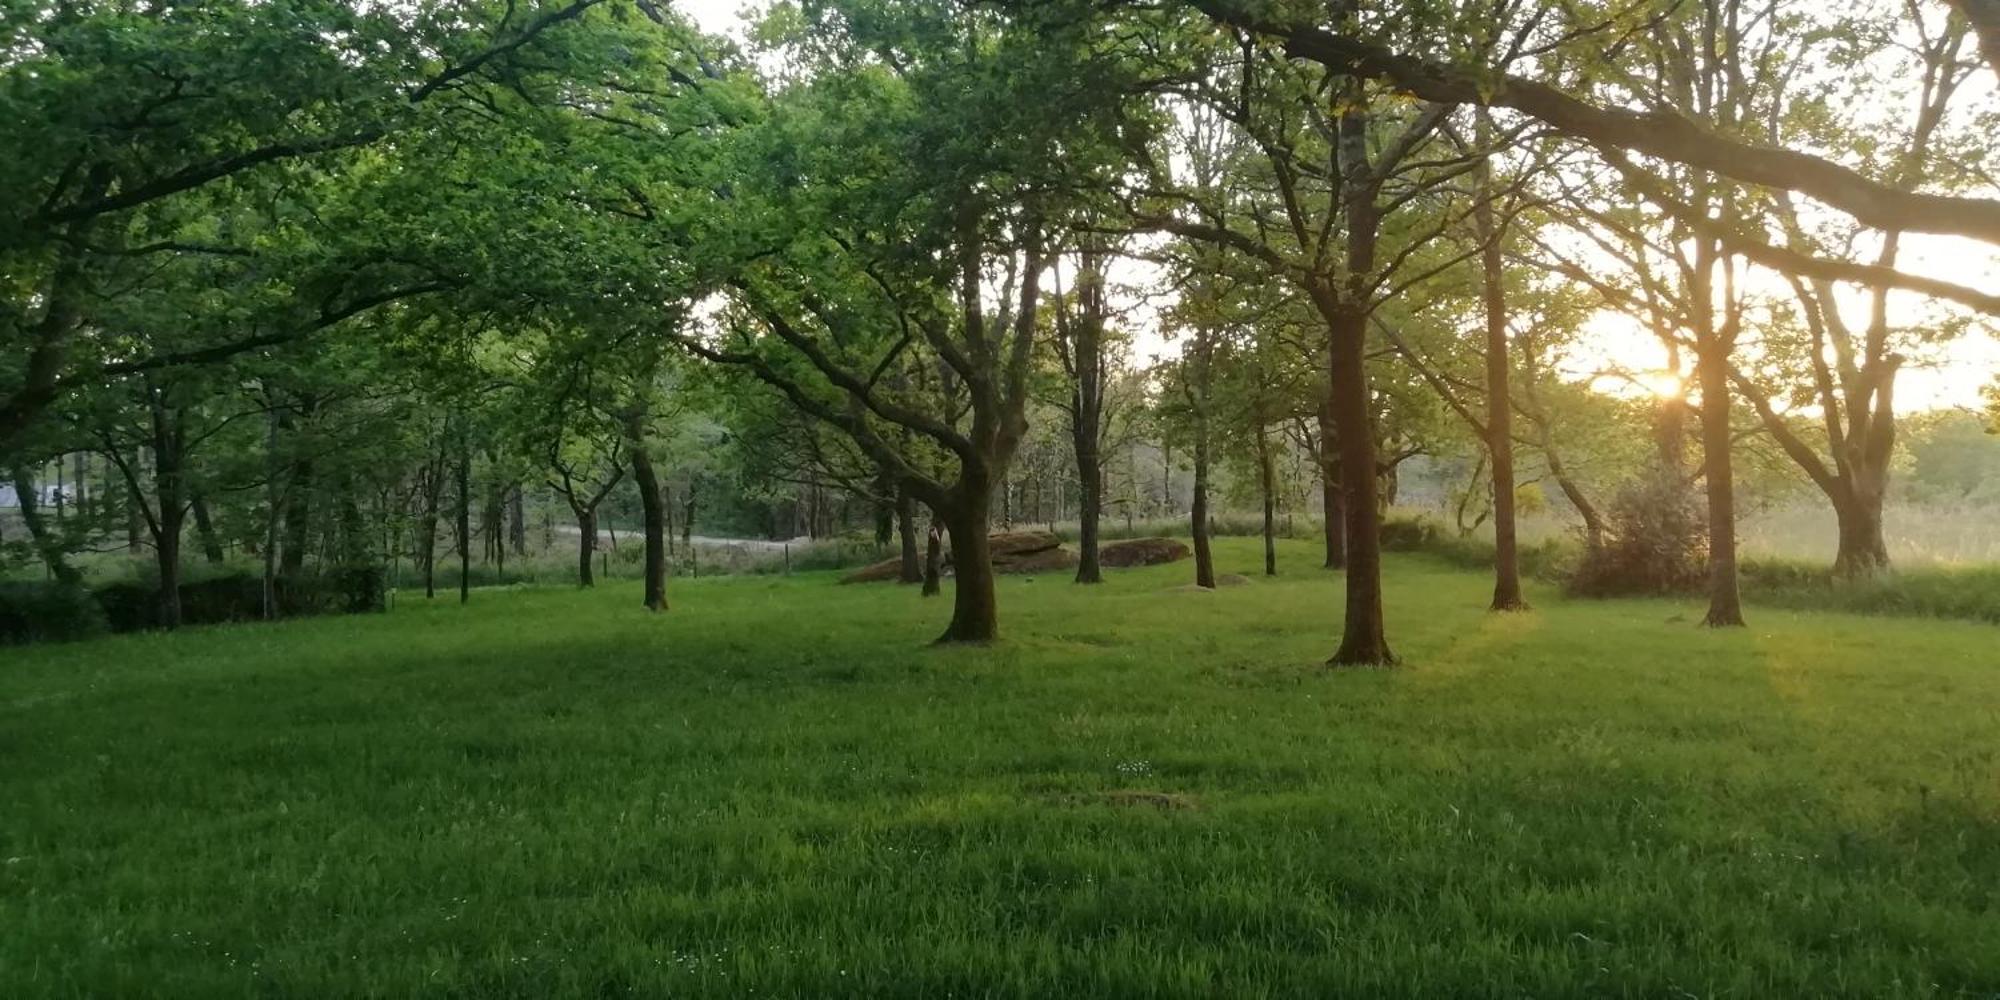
777 789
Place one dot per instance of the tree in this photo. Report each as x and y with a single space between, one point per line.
1081 343
927 264
1668 133
115 115
1848 373
1333 185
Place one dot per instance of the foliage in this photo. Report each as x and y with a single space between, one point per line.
1656 543
217 598
48 612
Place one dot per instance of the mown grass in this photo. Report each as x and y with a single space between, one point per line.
777 789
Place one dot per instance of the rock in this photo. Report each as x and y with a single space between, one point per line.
1141 552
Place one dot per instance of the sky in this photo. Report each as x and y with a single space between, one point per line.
1949 375
718 16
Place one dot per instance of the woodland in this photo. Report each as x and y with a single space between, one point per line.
335 288
960 450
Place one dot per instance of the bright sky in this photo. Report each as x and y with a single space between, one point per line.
1953 373
719 16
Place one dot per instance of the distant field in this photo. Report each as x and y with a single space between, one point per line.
777 789
1917 535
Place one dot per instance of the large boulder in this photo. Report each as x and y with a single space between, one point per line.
1141 552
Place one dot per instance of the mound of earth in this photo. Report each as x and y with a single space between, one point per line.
886 571
1045 561
1141 552
1009 544
1013 552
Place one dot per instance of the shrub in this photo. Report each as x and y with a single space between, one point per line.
1410 534
48 612
1657 542
134 605
1965 593
353 589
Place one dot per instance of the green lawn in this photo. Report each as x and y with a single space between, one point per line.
778 790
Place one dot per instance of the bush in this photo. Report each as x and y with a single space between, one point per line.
354 589
48 612
134 605
1656 545
1412 534
1970 594
1553 560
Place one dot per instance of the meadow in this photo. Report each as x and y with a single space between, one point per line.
778 788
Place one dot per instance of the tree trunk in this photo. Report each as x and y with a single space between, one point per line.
1087 413
1267 484
517 520
433 490
687 518
1593 522
298 497
652 512
169 490
464 517
204 528
84 494
1863 552
1499 404
167 547
1725 605
135 524
1332 511
1204 559
586 547
46 544
1090 506
912 569
667 507
933 541
974 612
273 501
1364 640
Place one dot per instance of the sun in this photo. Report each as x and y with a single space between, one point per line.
1663 384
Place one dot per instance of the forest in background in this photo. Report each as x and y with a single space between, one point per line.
335 298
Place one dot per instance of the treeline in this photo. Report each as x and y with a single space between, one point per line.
335 286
